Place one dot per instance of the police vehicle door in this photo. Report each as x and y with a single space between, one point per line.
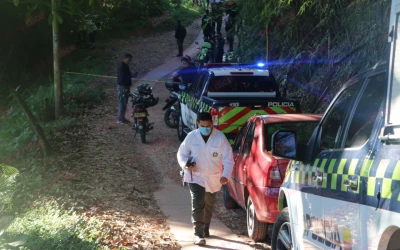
194 101
309 179
186 102
198 92
333 220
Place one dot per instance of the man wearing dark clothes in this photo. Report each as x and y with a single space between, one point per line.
124 84
180 34
206 25
186 72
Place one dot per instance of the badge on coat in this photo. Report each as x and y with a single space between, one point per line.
215 154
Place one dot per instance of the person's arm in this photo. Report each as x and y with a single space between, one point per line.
177 32
183 153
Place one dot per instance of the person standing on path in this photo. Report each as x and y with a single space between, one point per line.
180 34
206 25
124 81
212 154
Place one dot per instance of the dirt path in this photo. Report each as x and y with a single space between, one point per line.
112 176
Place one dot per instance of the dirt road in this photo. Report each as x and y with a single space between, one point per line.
113 176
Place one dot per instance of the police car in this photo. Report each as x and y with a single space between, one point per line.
342 189
232 93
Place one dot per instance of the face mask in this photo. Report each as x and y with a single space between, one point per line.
205 131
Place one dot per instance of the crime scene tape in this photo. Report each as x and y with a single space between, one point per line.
104 76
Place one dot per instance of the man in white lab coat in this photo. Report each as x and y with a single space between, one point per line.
212 154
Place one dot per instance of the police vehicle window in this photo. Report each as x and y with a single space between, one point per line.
201 82
366 112
249 139
333 123
196 82
242 84
303 131
239 138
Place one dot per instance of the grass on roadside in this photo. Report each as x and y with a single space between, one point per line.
51 226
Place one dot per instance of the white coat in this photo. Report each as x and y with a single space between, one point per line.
213 159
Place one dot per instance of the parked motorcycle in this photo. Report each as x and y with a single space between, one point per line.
172 107
141 100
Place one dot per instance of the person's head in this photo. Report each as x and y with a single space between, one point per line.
207 12
204 122
185 61
127 58
179 22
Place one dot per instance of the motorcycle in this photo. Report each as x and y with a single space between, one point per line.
141 100
205 54
172 107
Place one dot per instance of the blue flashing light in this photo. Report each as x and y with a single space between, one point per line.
260 64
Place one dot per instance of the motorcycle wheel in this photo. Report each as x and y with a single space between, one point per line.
169 119
143 136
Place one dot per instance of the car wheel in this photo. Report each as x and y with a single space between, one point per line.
281 232
256 229
229 202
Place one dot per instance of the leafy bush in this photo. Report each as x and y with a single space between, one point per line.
50 226
7 187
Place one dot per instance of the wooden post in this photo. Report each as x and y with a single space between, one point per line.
56 61
38 129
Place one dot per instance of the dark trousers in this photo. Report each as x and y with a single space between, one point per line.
123 96
202 207
219 24
230 42
180 45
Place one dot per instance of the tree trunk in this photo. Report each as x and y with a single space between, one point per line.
56 62
35 124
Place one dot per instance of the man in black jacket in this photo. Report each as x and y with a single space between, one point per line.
180 34
124 81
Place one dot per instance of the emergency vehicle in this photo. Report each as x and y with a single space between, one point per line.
231 93
342 189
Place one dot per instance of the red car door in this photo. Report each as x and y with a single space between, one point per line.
242 162
237 149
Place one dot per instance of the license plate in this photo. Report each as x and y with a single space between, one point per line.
140 115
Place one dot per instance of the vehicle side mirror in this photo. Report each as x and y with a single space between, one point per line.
284 144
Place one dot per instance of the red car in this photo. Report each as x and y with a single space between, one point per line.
258 174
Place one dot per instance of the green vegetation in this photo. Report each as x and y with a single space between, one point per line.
318 44
52 227
34 214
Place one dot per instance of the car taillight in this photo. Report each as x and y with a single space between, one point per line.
275 179
214 115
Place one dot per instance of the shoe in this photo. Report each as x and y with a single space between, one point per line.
122 122
178 55
127 121
198 240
